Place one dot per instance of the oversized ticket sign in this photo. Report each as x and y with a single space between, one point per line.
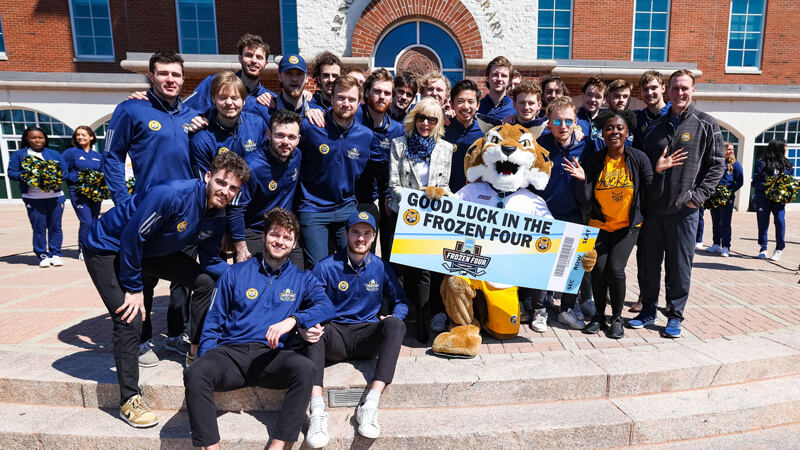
490 244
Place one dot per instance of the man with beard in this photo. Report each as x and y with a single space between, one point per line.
373 184
275 170
356 281
405 89
496 104
253 54
256 306
327 68
143 236
334 156
464 130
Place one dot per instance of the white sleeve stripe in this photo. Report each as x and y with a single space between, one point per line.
213 297
109 137
147 225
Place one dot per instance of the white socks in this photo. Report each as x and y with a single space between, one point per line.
317 404
373 397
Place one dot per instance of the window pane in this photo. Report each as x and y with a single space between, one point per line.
561 37
85 46
5 115
643 5
640 54
642 21
756 7
546 19
397 39
737 41
735 58
208 47
750 59
188 30
104 47
658 39
563 4
207 30
738 22
562 19
660 5
83 27
100 9
754 23
187 11
739 6
659 21
561 53
190 46
544 52
658 55
442 44
751 41
545 36
80 8
641 38
102 27
205 12
546 4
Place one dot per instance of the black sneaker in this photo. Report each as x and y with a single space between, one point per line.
595 326
616 331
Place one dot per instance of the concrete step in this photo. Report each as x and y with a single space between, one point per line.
88 379
599 423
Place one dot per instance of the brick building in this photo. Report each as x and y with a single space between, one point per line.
65 63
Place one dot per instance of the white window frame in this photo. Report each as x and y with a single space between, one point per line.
666 37
94 58
747 69
216 30
571 29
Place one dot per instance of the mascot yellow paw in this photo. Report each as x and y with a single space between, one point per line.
462 341
434 193
589 260
457 295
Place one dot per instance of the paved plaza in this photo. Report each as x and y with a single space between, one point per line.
58 310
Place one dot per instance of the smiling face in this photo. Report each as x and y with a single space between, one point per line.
652 93
527 106
681 90
278 243
403 96
345 102
328 74
283 139
379 97
592 98
552 91
229 103
729 151
293 81
221 187
167 80
465 106
499 78
561 124
83 139
253 61
618 100
615 132
437 90
359 238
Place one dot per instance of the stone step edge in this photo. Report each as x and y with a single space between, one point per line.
716 411
434 382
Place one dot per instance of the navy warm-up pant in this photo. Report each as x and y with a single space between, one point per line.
45 217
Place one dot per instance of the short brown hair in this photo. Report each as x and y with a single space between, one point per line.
325 58
406 79
88 131
226 80
527 87
595 81
252 41
547 79
347 82
683 72
620 84
499 61
649 76
378 75
165 57
282 218
433 77
561 103
350 70
231 163
515 74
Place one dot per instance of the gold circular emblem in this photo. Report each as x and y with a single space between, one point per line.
293 59
252 293
455 148
363 216
343 286
686 137
411 217
324 149
154 125
182 226
223 150
543 244
272 185
578 127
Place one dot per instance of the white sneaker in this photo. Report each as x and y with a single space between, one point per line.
568 317
147 357
539 323
439 322
56 261
317 434
80 256
44 262
368 422
714 249
725 252
762 254
699 246
776 255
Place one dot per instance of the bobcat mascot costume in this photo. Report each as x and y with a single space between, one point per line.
499 168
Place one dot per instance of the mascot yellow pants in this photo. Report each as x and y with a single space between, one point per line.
500 317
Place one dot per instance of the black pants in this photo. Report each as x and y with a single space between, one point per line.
360 341
178 267
669 238
178 310
230 367
255 245
613 251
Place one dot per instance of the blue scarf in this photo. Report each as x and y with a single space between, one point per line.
419 148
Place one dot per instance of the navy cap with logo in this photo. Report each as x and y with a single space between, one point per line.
361 217
292 62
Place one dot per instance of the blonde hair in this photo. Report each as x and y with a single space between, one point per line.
429 107
226 80
433 77
732 159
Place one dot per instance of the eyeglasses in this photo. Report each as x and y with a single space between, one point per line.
567 122
431 120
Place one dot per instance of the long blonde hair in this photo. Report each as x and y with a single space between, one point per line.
732 159
429 107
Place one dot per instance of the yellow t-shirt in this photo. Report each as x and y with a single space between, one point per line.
614 192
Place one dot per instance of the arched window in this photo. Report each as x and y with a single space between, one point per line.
788 131
728 136
12 123
420 47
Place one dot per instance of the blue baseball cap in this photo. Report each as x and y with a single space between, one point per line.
361 217
292 62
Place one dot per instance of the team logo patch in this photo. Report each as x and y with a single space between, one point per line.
373 286
272 185
386 143
353 153
343 286
466 259
182 226
363 216
514 320
203 235
484 197
250 145
455 148
543 244
293 59
154 125
251 293
287 296
686 137
222 150
578 127
324 149
411 217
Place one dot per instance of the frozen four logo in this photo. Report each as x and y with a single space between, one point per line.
353 153
466 259
287 296
373 286
250 145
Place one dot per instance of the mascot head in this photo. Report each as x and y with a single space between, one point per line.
509 159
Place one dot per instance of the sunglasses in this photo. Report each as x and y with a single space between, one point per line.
567 122
431 120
